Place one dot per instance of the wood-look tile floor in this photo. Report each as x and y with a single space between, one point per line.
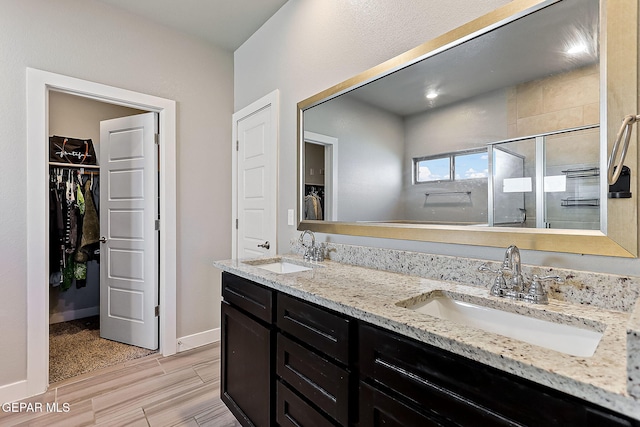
179 390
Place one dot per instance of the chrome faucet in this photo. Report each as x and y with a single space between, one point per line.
313 252
511 264
509 282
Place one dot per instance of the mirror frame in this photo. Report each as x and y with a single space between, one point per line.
618 235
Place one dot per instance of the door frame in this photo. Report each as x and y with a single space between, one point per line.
330 145
39 83
272 99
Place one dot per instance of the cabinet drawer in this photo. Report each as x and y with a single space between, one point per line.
317 378
434 378
380 409
457 389
248 296
598 418
292 411
321 329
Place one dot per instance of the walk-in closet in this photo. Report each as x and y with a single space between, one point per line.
314 183
75 346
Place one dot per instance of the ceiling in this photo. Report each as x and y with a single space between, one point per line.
527 49
224 23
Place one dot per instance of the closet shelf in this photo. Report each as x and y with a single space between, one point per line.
71 165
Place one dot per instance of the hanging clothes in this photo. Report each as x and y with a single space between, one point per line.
56 234
73 227
90 226
312 206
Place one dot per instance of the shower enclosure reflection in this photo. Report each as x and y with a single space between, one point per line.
548 181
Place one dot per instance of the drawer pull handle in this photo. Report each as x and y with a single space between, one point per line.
311 328
413 377
245 297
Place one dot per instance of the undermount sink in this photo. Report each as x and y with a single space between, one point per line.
568 339
279 266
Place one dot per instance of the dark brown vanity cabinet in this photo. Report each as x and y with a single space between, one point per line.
288 362
247 378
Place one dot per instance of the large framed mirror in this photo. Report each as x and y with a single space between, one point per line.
495 133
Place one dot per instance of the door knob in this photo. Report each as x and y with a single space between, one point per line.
265 245
103 239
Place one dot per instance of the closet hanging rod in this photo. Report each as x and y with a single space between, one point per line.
71 165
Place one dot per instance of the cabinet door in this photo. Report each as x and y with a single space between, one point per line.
380 409
246 372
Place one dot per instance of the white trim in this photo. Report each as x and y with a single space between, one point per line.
68 315
9 392
331 171
272 99
39 83
196 340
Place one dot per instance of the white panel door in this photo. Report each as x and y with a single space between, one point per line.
256 183
128 213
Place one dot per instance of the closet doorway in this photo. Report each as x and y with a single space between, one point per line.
321 173
39 86
75 298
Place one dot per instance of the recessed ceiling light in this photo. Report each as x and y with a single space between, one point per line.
576 49
432 95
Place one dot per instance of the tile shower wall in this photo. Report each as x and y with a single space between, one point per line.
558 102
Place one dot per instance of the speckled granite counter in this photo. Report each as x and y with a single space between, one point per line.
372 295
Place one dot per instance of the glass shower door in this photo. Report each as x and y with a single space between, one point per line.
571 180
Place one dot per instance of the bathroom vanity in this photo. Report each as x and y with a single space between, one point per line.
337 344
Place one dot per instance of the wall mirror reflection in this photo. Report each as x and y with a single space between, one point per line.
499 128
407 140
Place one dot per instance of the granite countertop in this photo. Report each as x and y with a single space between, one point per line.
373 296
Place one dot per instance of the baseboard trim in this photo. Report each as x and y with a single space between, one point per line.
196 340
65 316
13 392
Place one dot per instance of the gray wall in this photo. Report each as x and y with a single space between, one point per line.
370 149
461 126
93 41
311 45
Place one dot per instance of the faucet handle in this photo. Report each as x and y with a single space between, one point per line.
537 293
485 267
499 287
555 278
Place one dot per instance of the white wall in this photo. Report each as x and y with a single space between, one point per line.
92 41
311 45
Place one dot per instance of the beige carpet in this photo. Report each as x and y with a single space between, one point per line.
76 348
